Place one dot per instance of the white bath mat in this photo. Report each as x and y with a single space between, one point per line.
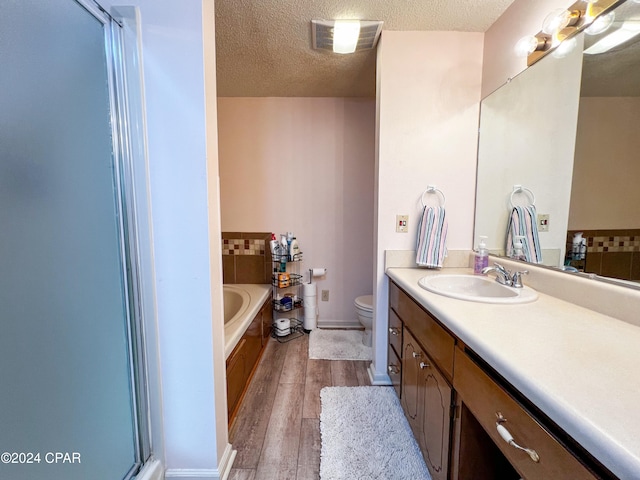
338 345
366 435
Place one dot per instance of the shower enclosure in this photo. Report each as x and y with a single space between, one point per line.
72 370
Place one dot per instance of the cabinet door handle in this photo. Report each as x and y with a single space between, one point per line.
507 437
424 365
394 331
393 369
417 355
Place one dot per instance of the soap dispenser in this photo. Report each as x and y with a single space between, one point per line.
481 259
518 252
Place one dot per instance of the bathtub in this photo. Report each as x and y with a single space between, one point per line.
242 302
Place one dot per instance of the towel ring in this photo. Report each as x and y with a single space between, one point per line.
434 190
526 191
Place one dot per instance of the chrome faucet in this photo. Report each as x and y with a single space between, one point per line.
503 276
516 279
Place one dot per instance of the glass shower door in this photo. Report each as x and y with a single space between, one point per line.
67 407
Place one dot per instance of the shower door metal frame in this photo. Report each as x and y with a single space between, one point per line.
125 193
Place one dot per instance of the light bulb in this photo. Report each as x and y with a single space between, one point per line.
526 46
565 48
601 24
556 21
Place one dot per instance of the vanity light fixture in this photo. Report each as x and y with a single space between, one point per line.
626 32
345 36
562 24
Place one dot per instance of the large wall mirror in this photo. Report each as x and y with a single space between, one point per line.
565 131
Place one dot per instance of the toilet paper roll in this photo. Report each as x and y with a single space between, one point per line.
310 311
283 327
318 272
309 290
310 302
309 323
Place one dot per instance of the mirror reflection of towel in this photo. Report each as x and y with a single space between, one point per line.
524 222
432 236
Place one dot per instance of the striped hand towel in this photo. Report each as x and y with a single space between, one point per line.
523 221
432 236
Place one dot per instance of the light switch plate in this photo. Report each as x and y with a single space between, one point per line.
543 222
402 223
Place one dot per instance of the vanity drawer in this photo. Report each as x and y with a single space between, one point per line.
395 332
394 369
438 343
486 400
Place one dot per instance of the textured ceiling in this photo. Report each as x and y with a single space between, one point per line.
264 46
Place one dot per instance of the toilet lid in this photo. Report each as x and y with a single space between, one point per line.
365 302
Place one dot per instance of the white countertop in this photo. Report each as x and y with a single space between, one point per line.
578 366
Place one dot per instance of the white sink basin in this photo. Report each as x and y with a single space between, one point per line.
476 288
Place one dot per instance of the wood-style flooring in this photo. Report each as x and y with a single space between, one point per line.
277 429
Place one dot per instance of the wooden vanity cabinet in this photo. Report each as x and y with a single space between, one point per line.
394 352
267 320
427 401
244 358
426 394
491 405
453 412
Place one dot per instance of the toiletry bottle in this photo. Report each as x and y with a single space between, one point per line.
284 253
577 244
294 250
481 259
518 252
273 244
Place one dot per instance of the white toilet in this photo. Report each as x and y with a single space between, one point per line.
364 309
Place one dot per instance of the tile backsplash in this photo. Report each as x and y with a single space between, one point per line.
246 257
611 253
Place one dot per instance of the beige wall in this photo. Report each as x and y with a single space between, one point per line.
305 165
428 91
605 193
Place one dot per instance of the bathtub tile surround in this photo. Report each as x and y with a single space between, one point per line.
235 246
246 257
612 253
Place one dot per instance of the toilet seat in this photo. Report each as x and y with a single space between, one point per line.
365 302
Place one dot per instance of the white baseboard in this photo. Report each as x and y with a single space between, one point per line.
220 473
226 462
350 324
193 473
378 378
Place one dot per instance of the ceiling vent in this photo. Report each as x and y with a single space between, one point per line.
322 34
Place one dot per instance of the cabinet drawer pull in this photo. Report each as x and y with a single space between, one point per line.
393 369
394 331
417 355
424 365
507 437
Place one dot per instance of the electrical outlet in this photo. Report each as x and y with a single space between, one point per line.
325 295
543 222
402 223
